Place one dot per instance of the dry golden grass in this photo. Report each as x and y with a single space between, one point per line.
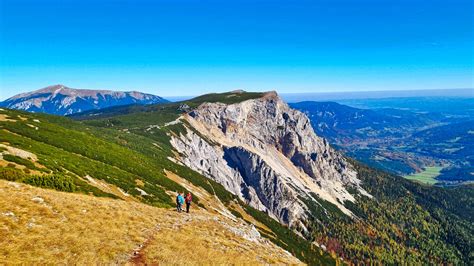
107 187
67 228
75 228
6 118
205 239
22 154
252 220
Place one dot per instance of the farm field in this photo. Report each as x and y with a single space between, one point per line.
428 176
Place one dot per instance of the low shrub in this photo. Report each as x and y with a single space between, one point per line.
55 181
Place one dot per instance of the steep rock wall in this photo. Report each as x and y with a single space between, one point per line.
268 155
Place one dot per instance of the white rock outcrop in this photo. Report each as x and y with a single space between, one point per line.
268 155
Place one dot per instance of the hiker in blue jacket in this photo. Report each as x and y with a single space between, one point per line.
179 202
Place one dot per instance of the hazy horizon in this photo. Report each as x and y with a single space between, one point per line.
323 95
343 95
188 47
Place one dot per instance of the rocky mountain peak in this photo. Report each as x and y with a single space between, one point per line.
267 154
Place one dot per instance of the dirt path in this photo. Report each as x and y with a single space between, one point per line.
139 255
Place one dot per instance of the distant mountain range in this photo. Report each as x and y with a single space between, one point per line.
377 95
412 135
61 100
343 123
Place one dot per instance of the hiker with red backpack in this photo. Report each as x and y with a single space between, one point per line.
188 200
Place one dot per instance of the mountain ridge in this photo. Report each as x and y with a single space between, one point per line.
62 100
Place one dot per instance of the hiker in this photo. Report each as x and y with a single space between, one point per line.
188 200
179 202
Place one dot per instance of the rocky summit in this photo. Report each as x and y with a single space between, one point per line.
268 155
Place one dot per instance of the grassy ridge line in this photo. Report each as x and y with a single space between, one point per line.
226 98
168 111
111 150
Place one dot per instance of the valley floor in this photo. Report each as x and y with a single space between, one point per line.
45 226
427 176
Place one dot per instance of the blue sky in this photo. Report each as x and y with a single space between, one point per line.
193 47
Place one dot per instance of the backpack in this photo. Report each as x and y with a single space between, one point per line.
189 198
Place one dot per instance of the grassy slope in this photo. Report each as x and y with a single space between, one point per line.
67 228
79 153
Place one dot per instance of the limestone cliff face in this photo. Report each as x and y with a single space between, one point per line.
267 154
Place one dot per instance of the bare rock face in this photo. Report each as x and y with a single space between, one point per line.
267 154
